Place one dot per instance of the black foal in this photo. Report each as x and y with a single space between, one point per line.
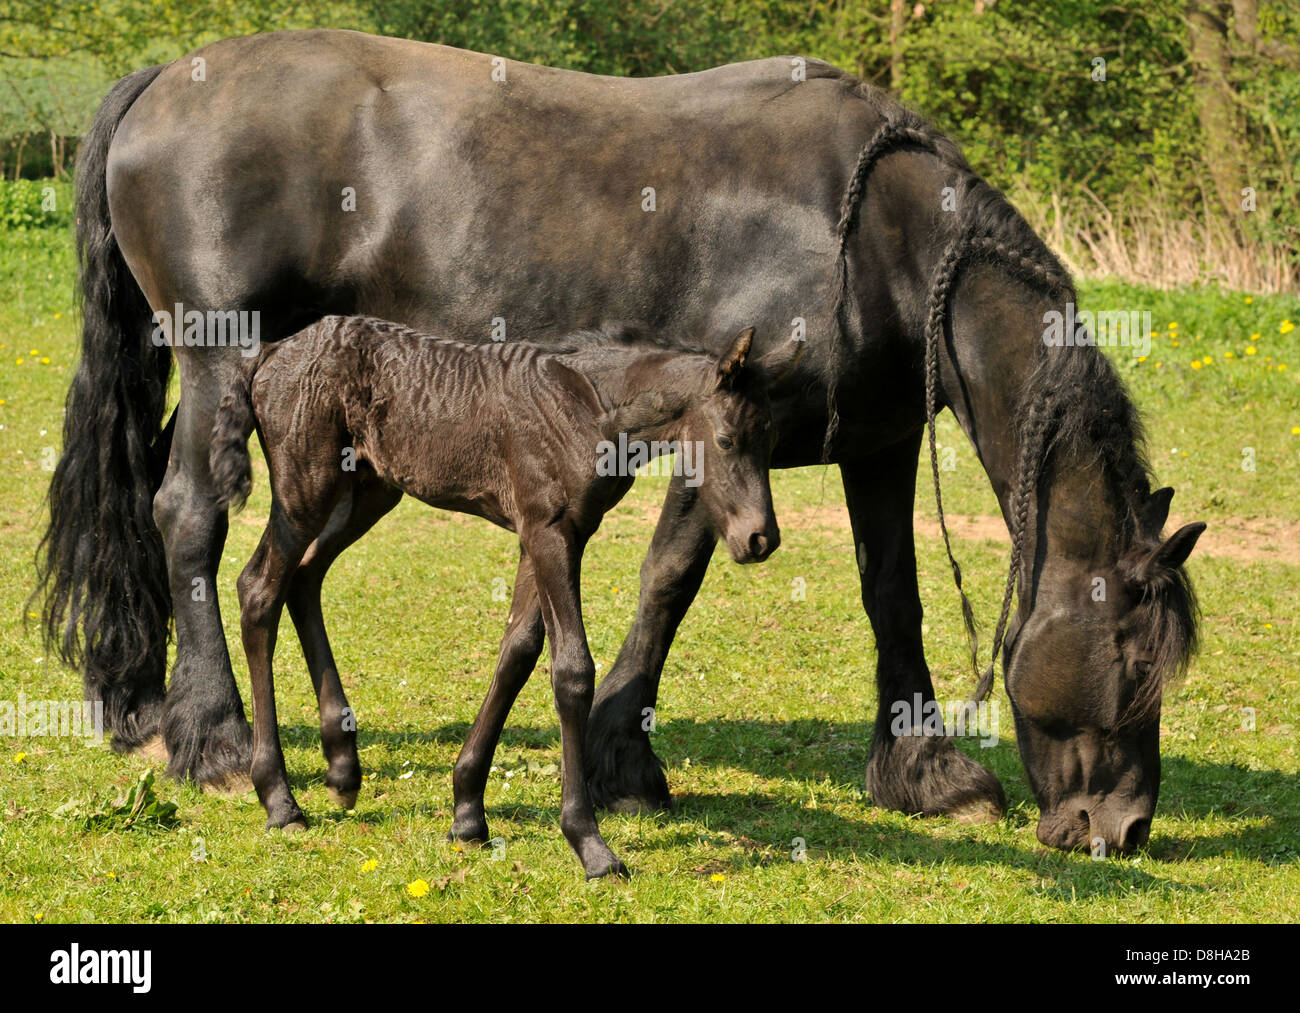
353 412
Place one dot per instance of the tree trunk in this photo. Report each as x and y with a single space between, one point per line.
896 22
1216 105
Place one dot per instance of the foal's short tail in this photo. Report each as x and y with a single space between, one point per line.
228 460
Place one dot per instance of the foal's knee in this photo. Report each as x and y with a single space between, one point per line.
256 598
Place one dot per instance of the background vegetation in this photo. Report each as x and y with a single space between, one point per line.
1138 171
764 713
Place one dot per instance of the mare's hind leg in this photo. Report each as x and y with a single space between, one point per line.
263 588
920 773
520 648
203 724
356 512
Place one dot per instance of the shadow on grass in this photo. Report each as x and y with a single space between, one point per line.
1261 805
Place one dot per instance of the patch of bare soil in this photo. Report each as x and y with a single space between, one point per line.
1250 539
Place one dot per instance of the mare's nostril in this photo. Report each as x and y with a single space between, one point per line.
1134 833
757 545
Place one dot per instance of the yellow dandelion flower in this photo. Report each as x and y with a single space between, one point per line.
418 888
1250 350
1207 360
370 865
1142 358
33 352
717 877
1256 336
1295 430
1159 364
18 361
1249 300
457 847
19 757
1281 366
1177 343
58 316
1228 355
1286 328
1268 626
1196 364
45 361
1173 325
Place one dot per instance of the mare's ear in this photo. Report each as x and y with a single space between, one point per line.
1154 513
733 359
1170 554
779 363
647 410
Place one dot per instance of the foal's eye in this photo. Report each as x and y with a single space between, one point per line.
726 443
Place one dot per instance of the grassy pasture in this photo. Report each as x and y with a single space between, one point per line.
765 706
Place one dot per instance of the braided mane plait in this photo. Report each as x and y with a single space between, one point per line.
891 136
976 238
1035 423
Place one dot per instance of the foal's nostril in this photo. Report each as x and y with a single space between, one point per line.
758 545
1134 832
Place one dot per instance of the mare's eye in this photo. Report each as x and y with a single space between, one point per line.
726 443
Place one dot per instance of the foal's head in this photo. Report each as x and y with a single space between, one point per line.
723 420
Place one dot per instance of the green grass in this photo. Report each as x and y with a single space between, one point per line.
763 715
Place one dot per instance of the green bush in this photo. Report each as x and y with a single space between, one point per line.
35 204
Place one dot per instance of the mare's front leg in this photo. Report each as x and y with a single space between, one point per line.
623 772
556 555
520 648
263 588
356 512
918 773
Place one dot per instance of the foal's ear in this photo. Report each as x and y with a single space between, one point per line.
733 359
779 363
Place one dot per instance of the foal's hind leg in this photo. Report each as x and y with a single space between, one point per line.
263 588
520 647
356 512
556 554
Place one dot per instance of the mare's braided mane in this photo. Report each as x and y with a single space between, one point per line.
1038 416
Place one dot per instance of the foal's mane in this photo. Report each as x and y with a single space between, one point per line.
1077 409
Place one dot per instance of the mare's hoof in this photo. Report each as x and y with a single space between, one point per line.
344 799
153 749
469 833
638 805
615 868
230 786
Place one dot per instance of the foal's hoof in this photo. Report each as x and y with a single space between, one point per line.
344 799
294 826
614 868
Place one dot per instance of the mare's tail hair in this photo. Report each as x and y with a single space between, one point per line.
100 564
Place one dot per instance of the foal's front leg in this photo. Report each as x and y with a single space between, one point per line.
520 647
356 513
556 554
